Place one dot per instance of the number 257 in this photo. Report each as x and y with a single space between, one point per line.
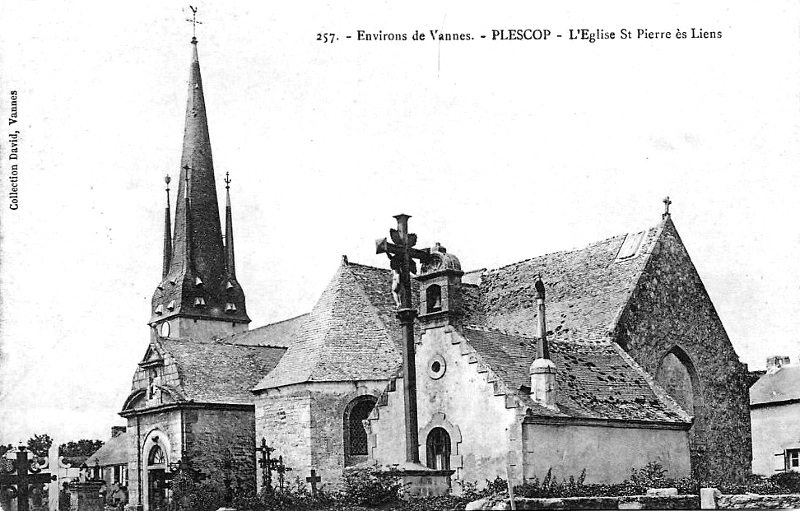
326 38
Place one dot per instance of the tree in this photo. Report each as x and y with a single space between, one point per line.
39 445
77 452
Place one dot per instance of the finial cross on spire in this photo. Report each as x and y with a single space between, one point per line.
666 202
227 181
194 22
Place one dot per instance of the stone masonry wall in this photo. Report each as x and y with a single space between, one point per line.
221 444
304 423
327 425
670 309
165 424
283 418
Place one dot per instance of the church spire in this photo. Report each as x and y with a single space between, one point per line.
229 257
198 280
167 234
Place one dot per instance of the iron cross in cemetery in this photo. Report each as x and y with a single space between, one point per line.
402 254
22 473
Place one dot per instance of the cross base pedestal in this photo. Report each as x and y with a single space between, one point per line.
419 480
85 495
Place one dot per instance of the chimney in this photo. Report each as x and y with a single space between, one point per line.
117 430
775 363
543 370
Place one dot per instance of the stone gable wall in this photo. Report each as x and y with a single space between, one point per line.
467 400
671 308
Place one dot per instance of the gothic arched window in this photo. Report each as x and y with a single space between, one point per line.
677 376
355 437
437 447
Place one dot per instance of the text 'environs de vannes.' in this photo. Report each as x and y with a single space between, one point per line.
590 35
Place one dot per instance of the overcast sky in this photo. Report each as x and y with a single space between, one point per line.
501 150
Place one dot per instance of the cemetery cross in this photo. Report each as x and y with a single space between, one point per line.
402 254
26 474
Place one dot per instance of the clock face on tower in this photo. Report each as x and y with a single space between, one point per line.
165 329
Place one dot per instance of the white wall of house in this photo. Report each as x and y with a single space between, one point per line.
776 430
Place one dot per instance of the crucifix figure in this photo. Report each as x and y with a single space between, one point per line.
402 254
666 202
314 479
23 473
194 22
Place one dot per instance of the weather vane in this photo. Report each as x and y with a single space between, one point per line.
194 21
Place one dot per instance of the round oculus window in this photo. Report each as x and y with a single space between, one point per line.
436 367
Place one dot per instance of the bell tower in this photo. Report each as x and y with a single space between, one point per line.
440 289
199 295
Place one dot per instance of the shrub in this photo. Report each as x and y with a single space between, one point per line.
790 481
367 485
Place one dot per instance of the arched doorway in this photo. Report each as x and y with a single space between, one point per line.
437 447
156 479
355 436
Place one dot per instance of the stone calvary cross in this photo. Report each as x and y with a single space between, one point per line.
22 473
402 254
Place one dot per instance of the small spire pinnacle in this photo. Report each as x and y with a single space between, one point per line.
194 23
666 202
167 233
229 256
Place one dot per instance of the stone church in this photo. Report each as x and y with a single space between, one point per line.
629 364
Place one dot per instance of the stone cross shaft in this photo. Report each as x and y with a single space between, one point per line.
23 475
402 255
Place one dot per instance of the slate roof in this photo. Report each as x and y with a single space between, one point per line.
113 452
777 387
350 334
217 371
353 333
586 289
594 378
279 334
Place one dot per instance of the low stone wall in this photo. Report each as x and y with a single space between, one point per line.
753 501
626 502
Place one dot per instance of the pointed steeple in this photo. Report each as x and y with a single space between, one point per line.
197 172
198 282
230 261
167 234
